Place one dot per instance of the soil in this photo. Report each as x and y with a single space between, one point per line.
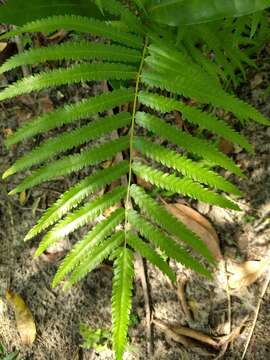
243 236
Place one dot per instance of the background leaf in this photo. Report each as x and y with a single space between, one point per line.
18 12
180 12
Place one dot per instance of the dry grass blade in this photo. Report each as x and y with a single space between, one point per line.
189 343
187 332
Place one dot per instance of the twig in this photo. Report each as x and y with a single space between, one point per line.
180 291
228 297
25 68
264 288
148 312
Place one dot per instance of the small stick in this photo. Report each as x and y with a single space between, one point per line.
264 288
148 313
180 291
25 68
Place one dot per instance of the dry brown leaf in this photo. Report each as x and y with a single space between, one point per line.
180 291
58 36
52 256
199 225
46 104
7 132
24 319
246 273
143 183
226 146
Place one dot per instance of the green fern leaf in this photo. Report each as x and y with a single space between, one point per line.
72 163
72 197
190 143
70 113
92 239
190 169
196 116
72 51
168 222
95 257
165 243
150 255
69 140
189 85
181 186
80 24
74 74
121 299
80 217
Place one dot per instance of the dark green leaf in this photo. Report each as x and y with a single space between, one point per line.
179 12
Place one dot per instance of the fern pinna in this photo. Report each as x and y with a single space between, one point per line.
158 68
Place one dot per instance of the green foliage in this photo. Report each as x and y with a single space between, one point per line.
121 298
94 339
9 356
195 11
157 68
18 12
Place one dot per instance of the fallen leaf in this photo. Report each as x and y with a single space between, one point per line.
246 273
24 319
52 256
46 104
106 164
199 225
226 146
58 36
7 132
180 291
143 183
111 209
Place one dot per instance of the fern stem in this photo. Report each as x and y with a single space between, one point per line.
138 76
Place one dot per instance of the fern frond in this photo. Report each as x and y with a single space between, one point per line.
80 24
151 255
69 140
72 163
121 299
74 74
196 116
181 186
165 243
95 257
80 250
189 85
70 113
76 194
187 167
72 51
190 143
210 67
167 221
80 217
